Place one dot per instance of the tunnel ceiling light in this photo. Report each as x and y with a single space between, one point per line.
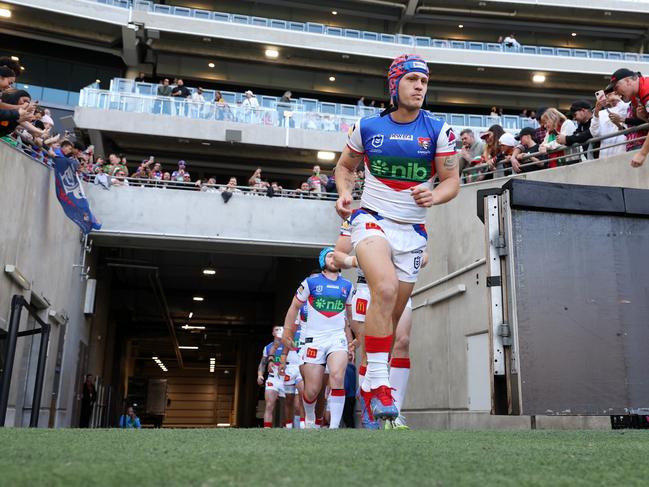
326 156
187 347
211 65
209 272
5 12
154 358
15 58
198 298
332 78
191 315
334 12
97 81
191 327
461 26
272 53
573 34
538 78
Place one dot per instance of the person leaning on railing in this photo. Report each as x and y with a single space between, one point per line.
556 124
634 87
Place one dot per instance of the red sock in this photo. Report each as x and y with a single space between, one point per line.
268 424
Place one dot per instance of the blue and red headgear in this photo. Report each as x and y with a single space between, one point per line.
404 64
323 256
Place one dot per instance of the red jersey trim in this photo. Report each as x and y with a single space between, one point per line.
296 297
445 154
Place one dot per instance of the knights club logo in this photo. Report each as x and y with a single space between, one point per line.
424 142
377 140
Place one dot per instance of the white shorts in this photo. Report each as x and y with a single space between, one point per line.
275 383
316 349
292 378
407 241
361 302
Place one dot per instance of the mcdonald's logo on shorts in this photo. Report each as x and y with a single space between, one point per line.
287 378
361 306
311 352
269 384
373 226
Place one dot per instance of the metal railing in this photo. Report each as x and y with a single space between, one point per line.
186 108
570 154
247 191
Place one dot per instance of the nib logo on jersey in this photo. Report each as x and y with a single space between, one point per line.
329 306
398 172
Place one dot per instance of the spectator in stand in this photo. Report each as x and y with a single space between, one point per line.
582 113
223 111
361 102
179 174
181 93
635 116
255 180
283 106
198 103
610 114
303 191
470 154
231 187
210 186
164 89
119 179
507 145
101 178
556 123
17 110
491 152
511 43
539 132
140 78
113 164
156 173
317 182
634 88
250 106
520 160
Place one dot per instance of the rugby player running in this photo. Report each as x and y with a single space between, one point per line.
403 149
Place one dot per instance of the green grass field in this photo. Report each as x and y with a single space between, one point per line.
313 458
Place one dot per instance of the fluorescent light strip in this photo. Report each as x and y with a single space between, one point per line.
187 347
198 298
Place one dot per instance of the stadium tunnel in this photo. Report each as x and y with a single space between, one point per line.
179 333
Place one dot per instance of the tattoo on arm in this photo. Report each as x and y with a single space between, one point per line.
450 162
262 366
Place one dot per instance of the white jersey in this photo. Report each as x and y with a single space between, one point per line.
326 303
398 157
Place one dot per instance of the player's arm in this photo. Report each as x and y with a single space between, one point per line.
343 247
289 323
352 342
639 157
261 369
448 187
346 179
289 333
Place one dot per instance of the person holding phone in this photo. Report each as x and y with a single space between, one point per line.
609 117
582 114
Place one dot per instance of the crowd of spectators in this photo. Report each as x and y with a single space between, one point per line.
559 140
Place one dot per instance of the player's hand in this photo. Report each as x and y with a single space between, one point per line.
352 346
287 341
260 380
343 206
638 159
423 196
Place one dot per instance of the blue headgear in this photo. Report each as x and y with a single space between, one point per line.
323 256
402 65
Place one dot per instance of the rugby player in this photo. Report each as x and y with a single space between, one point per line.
270 358
327 338
403 149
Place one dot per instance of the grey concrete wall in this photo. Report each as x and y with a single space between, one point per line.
40 240
284 226
439 378
208 130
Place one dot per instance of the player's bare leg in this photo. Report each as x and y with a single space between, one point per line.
270 397
337 362
313 375
375 258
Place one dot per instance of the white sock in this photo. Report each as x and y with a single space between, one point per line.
309 411
289 426
336 407
399 372
302 424
377 370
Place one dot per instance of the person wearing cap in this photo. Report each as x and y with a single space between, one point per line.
520 159
327 338
582 113
633 88
609 117
403 148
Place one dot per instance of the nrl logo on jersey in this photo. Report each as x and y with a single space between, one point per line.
318 288
377 140
407 137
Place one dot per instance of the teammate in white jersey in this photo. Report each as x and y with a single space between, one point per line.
275 382
400 356
403 150
327 338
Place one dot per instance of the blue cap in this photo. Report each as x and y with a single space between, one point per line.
323 256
